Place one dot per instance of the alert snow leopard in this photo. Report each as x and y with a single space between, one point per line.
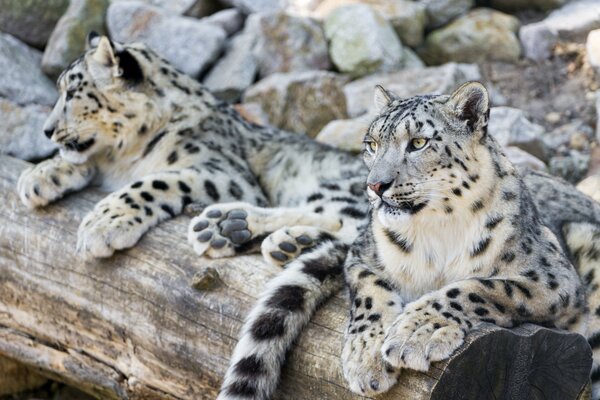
130 122
454 239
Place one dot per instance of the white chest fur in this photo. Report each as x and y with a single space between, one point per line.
438 250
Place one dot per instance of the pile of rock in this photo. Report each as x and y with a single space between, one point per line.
308 66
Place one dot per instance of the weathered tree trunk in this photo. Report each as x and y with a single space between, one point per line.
134 327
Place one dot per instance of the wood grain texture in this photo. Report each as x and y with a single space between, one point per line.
133 326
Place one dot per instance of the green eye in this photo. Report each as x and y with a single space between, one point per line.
418 143
371 146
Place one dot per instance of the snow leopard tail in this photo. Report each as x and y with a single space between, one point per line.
277 319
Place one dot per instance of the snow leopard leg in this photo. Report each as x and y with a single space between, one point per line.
583 239
284 308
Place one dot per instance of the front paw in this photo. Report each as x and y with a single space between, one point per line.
364 368
37 187
219 231
285 244
108 228
418 338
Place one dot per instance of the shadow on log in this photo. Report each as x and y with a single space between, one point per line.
136 327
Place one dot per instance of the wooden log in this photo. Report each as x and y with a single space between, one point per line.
144 325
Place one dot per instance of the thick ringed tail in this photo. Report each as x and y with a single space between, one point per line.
279 316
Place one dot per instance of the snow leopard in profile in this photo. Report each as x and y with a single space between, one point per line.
454 239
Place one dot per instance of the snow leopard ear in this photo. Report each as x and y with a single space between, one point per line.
471 103
383 98
93 38
105 53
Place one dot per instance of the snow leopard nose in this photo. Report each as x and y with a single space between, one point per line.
49 131
380 187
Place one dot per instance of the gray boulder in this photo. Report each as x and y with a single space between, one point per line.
361 41
22 135
22 80
481 35
285 43
230 20
517 5
440 12
572 22
524 159
190 44
235 71
571 167
68 39
254 6
32 21
192 8
407 17
346 134
408 82
300 101
511 127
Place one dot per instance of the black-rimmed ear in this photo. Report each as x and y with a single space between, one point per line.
92 40
105 53
471 103
382 98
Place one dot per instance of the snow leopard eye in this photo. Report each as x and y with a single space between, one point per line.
417 144
371 146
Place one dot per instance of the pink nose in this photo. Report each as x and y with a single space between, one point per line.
379 187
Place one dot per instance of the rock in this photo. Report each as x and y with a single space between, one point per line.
346 134
510 127
571 167
235 71
230 20
591 186
300 101
68 40
522 158
407 17
31 21
16 378
408 82
22 80
362 42
190 44
207 278
592 46
575 134
481 35
572 22
440 12
252 112
517 5
192 8
410 59
254 6
285 43
552 117
22 135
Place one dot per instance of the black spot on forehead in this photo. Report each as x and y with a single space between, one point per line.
402 112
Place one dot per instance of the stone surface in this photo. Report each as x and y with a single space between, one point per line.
440 12
253 6
481 35
346 134
68 40
286 43
516 5
190 44
522 158
22 80
16 378
592 46
301 102
511 127
571 166
409 82
230 20
361 41
22 135
235 71
572 22
575 134
407 17
31 21
194 8
252 112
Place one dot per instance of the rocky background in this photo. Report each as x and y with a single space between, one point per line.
310 66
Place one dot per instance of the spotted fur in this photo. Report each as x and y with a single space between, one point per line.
454 239
128 121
